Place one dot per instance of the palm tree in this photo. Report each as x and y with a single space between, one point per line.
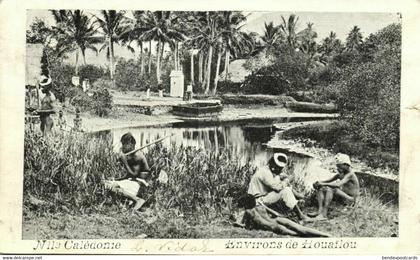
115 28
159 26
207 35
354 39
308 44
271 37
288 28
75 31
234 40
330 46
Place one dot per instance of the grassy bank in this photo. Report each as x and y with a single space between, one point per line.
64 195
336 136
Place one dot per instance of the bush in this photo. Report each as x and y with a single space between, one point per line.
102 84
288 73
91 72
126 74
61 75
102 102
227 86
370 100
128 77
69 169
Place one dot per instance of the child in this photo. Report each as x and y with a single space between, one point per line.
343 185
258 216
61 122
137 169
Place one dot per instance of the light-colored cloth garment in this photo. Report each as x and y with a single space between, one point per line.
285 195
269 189
128 186
263 182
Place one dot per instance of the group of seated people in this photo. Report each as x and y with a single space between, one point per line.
271 199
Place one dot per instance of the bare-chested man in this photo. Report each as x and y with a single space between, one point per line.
344 186
137 172
47 106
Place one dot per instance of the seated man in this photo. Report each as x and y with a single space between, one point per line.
137 169
258 216
271 187
343 185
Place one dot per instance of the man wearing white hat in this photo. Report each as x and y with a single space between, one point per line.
47 107
344 186
270 186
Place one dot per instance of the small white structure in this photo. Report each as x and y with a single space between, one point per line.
177 83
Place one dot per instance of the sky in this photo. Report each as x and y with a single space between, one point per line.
324 23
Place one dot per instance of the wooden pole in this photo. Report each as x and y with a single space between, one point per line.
147 145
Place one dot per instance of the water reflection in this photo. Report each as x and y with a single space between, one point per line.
246 141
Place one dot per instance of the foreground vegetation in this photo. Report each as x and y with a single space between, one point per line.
64 196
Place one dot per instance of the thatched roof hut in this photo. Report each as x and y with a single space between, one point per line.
33 63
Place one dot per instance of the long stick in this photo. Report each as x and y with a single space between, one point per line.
147 145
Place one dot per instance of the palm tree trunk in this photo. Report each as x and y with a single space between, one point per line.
141 59
158 62
206 91
161 51
111 59
216 78
76 69
227 60
200 67
204 79
174 56
178 62
192 69
84 57
150 58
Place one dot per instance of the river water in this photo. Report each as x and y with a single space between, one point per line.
247 140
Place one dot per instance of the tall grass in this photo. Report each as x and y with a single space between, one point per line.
69 169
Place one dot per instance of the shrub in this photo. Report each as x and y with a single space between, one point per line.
68 169
288 73
61 75
128 77
227 86
102 102
126 74
102 84
91 72
370 100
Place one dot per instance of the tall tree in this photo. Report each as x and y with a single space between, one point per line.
271 37
308 45
235 41
329 47
76 32
354 39
289 30
115 28
159 26
207 35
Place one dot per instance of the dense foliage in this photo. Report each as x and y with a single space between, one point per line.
201 184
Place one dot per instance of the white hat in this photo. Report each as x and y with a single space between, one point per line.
342 158
280 159
44 81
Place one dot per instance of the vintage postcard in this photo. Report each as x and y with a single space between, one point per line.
198 128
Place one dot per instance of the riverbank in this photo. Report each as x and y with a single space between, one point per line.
121 117
334 136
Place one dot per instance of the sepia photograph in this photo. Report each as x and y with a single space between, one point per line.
211 124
